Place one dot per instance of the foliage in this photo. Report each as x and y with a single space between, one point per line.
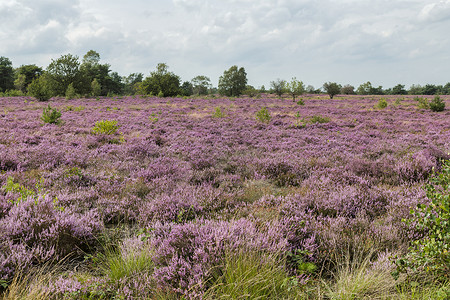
253 275
263 115
62 72
368 89
318 119
300 102
26 74
382 103
51 115
437 104
218 113
431 254
161 82
6 74
105 127
70 92
250 91
423 102
40 88
278 86
348 89
233 81
96 88
399 89
187 89
201 85
332 88
295 88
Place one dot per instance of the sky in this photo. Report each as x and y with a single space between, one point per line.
343 41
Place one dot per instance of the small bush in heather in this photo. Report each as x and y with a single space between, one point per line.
218 113
70 92
300 102
263 115
51 115
422 102
382 103
319 119
437 104
431 254
105 127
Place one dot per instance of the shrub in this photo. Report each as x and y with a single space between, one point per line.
382 103
319 119
40 89
437 104
431 254
300 102
218 113
422 102
263 115
51 115
105 127
70 92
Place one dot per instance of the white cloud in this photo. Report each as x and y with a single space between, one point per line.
316 41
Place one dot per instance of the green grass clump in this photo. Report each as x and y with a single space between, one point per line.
218 113
319 119
254 275
382 103
105 127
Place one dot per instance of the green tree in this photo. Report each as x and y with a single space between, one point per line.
278 86
6 74
25 75
399 89
295 88
348 89
96 88
40 88
64 71
131 83
187 89
415 89
332 88
91 69
161 82
233 81
201 85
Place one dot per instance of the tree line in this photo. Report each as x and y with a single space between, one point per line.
68 76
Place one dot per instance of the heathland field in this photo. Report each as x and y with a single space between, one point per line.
266 198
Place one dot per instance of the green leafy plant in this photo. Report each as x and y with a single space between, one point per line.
382 103
300 102
105 127
422 102
431 254
40 88
51 115
263 115
437 104
218 113
319 119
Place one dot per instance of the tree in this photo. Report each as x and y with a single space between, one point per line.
430 89
368 89
96 88
6 74
187 89
348 89
162 82
278 86
25 75
40 88
233 81
201 84
91 69
332 88
415 89
399 89
295 88
131 83
62 72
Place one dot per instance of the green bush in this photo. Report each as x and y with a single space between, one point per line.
105 127
51 115
300 102
263 115
218 113
70 92
431 254
437 104
319 119
40 89
382 103
422 102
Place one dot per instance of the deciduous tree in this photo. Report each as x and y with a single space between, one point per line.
233 81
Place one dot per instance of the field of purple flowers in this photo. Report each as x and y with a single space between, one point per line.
180 185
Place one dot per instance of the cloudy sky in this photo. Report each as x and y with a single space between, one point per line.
346 41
